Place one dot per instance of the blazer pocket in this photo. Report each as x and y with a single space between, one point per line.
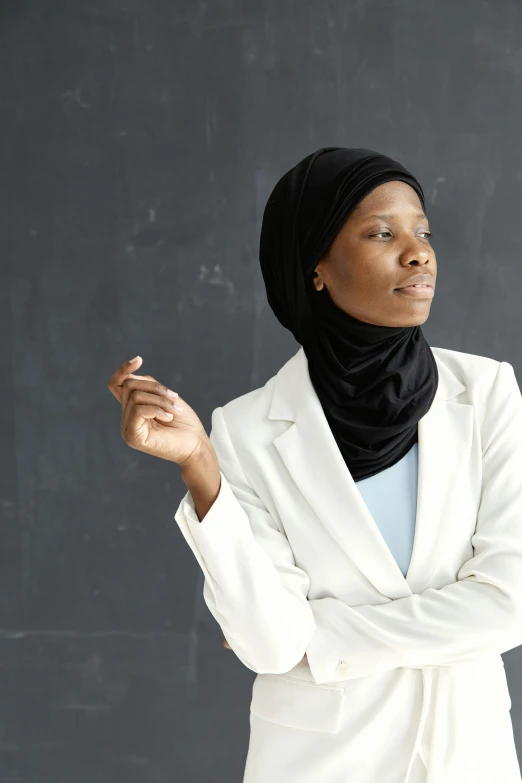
297 703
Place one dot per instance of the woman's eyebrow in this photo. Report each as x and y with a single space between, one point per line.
387 217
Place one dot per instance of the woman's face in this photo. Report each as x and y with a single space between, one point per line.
384 241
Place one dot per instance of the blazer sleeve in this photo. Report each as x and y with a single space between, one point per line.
478 614
252 586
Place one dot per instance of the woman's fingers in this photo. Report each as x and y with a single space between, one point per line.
132 386
143 396
226 644
123 372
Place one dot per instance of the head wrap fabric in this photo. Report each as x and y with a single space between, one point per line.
374 382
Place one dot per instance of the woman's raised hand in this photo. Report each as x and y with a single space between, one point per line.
149 421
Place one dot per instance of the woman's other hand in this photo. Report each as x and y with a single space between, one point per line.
150 423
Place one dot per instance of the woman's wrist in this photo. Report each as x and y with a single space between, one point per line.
202 477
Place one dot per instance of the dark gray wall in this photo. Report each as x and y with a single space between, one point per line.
139 140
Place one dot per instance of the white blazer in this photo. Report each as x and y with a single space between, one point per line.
364 675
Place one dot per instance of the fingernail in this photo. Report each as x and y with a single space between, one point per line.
133 360
172 393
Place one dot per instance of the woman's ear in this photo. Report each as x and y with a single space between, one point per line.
318 281
318 278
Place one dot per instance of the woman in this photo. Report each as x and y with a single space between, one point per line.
358 518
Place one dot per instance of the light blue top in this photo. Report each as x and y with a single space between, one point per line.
391 498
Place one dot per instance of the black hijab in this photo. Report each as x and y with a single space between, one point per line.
374 382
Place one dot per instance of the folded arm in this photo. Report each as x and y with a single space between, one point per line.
258 595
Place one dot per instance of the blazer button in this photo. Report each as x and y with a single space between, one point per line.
343 668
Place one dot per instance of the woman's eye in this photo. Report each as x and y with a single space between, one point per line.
381 233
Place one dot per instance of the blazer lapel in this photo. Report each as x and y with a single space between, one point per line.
313 459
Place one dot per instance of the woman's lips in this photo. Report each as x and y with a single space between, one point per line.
419 291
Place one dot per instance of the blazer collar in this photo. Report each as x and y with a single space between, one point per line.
312 457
